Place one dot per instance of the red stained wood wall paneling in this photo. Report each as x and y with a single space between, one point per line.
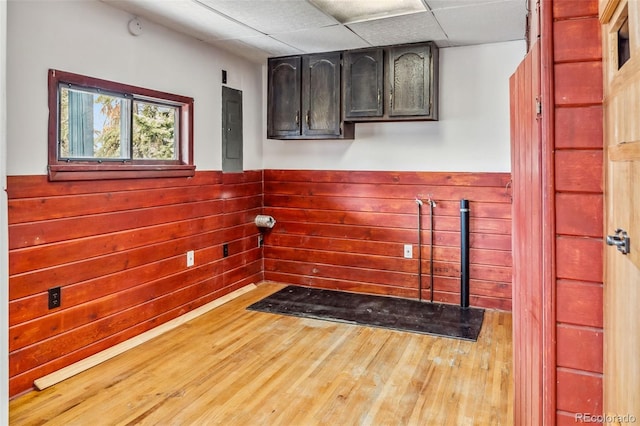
117 250
579 217
346 230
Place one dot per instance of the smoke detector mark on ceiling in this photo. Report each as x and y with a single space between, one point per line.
135 27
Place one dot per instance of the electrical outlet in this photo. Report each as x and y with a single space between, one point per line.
190 258
55 297
259 241
225 250
408 251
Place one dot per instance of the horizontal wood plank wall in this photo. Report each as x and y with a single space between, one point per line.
579 208
346 230
118 251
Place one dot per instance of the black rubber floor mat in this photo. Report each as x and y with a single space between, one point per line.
376 311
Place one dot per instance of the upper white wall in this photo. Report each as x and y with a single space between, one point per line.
4 225
472 134
91 38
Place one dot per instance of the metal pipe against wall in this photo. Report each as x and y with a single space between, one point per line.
432 204
419 203
464 253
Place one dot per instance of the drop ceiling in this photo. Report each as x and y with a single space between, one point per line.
258 29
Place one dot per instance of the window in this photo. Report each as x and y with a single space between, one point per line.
99 129
624 50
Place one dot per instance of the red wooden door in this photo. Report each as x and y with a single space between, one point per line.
527 245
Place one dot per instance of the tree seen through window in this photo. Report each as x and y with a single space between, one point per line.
110 127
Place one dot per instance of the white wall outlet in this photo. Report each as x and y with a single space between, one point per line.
190 258
408 251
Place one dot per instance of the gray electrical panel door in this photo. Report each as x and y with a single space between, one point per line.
231 130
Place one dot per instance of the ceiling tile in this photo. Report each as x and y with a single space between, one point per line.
241 49
257 49
272 16
449 4
270 45
186 16
501 21
336 37
409 28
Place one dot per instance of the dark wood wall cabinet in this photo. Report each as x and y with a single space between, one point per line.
284 105
321 96
392 83
363 83
304 98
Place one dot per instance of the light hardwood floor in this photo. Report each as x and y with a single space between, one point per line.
237 367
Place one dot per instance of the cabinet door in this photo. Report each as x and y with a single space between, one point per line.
410 76
321 94
363 83
283 113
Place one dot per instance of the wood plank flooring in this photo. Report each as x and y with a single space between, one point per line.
237 367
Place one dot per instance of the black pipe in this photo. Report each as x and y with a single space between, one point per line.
419 203
464 253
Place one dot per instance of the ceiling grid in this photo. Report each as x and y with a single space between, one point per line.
258 29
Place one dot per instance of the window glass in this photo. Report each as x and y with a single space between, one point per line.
92 125
154 130
624 51
101 126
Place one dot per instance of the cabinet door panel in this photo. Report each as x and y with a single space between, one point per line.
363 83
284 97
409 79
321 96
